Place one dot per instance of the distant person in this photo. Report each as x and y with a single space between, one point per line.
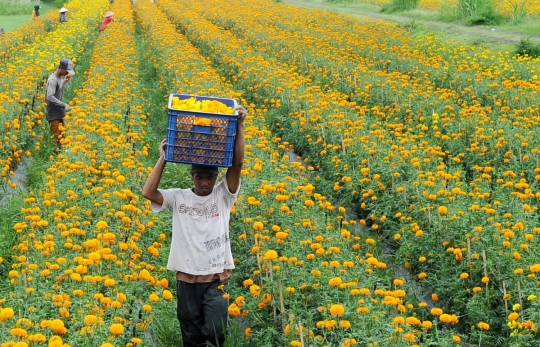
35 12
56 107
2 32
63 12
108 18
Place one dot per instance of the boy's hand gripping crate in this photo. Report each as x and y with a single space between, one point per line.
200 136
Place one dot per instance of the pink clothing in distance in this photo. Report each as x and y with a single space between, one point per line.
106 21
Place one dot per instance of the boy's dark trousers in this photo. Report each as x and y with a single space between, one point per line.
202 311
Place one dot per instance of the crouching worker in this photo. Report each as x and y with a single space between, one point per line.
108 18
200 248
56 107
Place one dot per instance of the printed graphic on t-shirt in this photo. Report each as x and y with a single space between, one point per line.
218 261
209 211
217 242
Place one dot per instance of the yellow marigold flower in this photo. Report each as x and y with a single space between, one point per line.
281 235
436 311
409 337
102 225
248 332
255 290
167 295
445 318
483 326
337 310
334 264
427 324
335 282
240 301
153 297
234 310
412 321
116 329
270 255
399 320
90 319
257 226
362 310
19 332
513 316
442 210
147 307
345 324
6 313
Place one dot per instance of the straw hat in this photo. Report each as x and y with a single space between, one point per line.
63 9
109 14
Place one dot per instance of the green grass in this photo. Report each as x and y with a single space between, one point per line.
13 16
530 26
12 22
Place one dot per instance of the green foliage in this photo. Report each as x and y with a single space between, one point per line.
412 26
518 11
400 5
48 25
526 47
479 12
8 8
339 1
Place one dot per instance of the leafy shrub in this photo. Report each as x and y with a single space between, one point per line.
479 12
526 47
412 26
48 25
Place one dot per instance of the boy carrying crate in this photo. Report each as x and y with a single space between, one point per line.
200 251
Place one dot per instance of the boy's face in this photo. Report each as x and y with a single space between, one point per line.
204 182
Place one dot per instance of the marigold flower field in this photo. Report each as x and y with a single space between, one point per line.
389 192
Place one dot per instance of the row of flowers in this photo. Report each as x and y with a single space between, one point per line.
14 41
26 71
399 193
84 270
277 258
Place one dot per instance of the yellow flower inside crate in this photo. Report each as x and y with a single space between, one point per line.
192 104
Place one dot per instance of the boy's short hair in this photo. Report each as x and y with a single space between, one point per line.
197 168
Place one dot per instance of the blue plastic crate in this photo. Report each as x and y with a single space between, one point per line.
189 143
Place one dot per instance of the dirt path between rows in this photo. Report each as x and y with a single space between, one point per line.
456 30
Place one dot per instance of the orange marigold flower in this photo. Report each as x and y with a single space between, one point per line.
483 326
337 310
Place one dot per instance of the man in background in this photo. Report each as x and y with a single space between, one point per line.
56 107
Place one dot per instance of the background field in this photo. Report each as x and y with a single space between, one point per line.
389 191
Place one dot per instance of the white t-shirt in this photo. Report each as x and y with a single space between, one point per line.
200 229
